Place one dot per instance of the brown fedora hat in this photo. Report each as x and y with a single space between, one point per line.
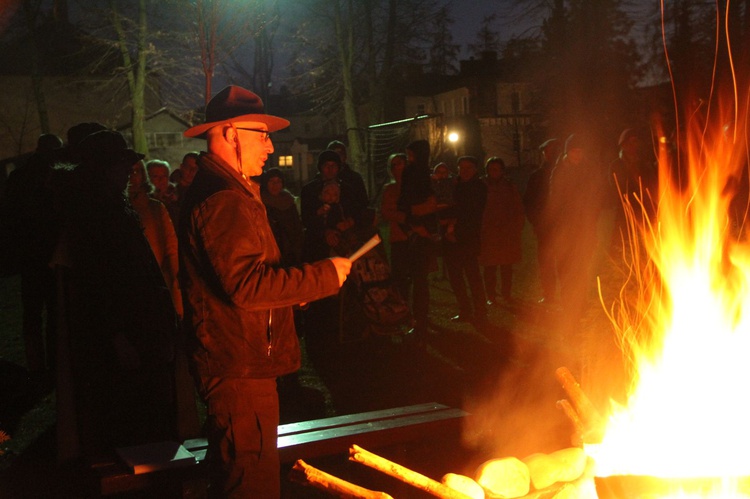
233 104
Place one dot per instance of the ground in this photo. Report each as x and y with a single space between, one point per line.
502 373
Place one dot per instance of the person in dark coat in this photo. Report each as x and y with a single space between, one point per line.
283 216
576 199
354 180
502 223
118 323
462 243
239 298
27 205
418 202
535 201
318 239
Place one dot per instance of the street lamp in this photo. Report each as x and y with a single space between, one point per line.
453 139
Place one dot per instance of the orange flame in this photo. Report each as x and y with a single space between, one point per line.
683 320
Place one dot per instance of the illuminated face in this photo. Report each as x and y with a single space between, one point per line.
494 170
466 170
397 167
441 172
189 168
137 174
329 170
255 146
275 185
330 194
159 176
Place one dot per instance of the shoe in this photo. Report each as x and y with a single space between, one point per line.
461 318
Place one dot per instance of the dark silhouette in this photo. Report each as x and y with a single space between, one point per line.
419 204
27 206
502 223
118 325
535 201
462 243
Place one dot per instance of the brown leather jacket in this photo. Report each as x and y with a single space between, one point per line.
238 299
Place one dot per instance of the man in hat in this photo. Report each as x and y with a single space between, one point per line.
238 298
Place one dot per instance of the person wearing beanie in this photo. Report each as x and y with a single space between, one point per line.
417 201
352 178
314 209
239 297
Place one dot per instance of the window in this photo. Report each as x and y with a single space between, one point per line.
286 161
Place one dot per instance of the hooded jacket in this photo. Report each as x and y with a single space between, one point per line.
238 298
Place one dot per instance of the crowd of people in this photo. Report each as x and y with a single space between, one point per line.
157 281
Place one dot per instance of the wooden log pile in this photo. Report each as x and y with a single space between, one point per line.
563 474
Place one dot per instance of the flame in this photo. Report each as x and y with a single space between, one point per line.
683 320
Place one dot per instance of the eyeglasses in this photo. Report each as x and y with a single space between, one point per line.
266 134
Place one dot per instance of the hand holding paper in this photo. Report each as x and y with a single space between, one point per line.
374 241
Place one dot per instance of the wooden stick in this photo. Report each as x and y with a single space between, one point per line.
308 475
404 474
589 416
578 427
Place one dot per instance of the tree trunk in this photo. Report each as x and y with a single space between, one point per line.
345 44
140 143
36 72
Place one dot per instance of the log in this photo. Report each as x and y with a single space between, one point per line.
506 477
308 475
435 488
590 417
578 428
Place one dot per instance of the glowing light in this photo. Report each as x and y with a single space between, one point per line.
686 332
453 137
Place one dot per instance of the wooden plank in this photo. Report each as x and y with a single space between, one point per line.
349 419
303 440
373 434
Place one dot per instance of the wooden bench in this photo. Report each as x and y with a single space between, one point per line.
302 440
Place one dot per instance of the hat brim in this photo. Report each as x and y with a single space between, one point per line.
274 124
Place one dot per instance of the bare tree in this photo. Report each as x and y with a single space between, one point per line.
443 52
348 54
224 25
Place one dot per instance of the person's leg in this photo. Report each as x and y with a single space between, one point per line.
474 277
242 432
454 265
32 301
419 271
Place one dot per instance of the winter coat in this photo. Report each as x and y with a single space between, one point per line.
238 299
502 223
158 228
471 198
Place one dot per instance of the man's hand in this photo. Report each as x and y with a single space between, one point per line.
343 267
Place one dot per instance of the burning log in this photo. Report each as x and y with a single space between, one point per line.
308 475
404 474
579 428
505 477
585 414
564 465
464 484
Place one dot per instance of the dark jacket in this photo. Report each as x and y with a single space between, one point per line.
471 198
238 299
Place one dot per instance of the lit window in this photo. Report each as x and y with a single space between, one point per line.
286 161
